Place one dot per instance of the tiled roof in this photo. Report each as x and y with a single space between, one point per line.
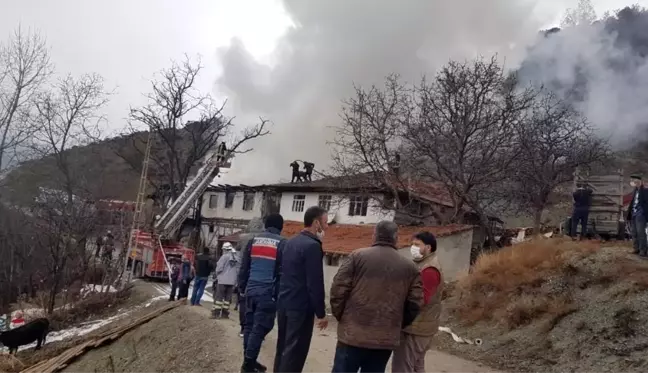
345 238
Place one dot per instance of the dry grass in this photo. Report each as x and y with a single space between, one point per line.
9 363
522 283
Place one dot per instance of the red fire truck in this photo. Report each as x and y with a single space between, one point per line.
151 262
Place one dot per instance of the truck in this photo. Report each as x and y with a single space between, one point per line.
153 261
151 253
609 204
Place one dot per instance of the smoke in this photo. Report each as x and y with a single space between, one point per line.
602 69
336 43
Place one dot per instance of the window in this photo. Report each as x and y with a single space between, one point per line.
229 199
298 202
213 201
248 201
358 206
324 201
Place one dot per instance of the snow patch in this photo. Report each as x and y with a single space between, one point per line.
94 288
88 326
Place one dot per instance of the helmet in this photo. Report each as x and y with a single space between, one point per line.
228 246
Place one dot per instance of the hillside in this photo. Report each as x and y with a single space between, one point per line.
109 169
553 305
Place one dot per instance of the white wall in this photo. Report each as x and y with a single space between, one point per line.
235 211
339 208
453 251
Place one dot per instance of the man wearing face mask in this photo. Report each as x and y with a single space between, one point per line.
416 339
301 292
637 216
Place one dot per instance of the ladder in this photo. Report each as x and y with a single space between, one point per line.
131 247
174 216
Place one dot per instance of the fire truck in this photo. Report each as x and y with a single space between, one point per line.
151 253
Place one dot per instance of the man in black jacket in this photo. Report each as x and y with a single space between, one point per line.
582 201
204 267
301 292
637 216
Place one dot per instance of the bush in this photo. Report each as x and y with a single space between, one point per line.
521 283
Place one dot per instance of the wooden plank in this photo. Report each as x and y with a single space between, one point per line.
59 362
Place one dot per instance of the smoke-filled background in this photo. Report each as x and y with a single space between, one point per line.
601 67
334 44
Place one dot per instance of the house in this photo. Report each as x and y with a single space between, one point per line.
453 245
227 209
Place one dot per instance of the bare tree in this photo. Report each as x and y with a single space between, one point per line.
554 141
24 67
583 14
465 132
179 144
370 141
68 115
458 129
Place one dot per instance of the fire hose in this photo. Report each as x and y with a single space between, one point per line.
458 339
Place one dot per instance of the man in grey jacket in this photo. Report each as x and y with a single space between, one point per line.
227 270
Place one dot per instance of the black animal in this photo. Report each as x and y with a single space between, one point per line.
35 330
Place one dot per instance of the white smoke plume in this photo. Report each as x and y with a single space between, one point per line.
602 68
336 43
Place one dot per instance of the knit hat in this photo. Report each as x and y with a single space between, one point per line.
274 221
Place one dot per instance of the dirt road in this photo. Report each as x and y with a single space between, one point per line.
320 358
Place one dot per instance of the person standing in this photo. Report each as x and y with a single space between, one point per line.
416 339
637 216
254 227
375 294
187 273
582 201
204 268
258 280
301 292
175 279
227 270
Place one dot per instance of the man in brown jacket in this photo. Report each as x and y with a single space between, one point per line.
375 294
416 339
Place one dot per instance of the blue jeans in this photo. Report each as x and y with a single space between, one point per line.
640 242
198 290
260 313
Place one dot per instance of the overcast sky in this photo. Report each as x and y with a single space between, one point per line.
127 41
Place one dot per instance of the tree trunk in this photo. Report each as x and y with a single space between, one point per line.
490 237
537 221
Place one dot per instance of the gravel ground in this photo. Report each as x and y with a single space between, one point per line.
186 340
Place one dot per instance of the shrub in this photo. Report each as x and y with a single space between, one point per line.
509 286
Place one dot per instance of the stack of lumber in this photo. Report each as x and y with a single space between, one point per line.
61 361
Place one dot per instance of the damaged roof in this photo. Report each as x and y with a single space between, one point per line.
345 238
434 192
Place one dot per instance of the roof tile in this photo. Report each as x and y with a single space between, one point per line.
345 238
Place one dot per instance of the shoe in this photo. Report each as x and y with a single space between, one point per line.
260 367
248 367
225 314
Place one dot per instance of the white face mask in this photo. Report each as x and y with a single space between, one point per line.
416 252
320 232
